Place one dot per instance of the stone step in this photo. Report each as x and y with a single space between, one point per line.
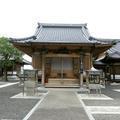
63 81
61 85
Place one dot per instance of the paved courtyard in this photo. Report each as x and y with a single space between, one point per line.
14 109
105 106
59 104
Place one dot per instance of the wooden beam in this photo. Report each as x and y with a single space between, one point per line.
62 55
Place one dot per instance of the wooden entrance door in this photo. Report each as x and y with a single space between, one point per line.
61 72
62 67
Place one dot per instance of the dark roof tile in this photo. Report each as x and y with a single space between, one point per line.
60 33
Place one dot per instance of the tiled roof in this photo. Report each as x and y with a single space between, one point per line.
111 54
62 34
59 33
114 52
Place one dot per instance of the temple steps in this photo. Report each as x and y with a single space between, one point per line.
62 86
65 82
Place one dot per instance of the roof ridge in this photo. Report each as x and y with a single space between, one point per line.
61 25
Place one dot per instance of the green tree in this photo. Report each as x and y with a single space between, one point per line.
9 54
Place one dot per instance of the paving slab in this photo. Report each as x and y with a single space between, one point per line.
60 105
104 109
107 117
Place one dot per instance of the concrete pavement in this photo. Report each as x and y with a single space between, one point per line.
60 105
14 109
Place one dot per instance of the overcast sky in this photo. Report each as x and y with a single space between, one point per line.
19 18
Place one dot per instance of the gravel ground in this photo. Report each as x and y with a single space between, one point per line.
14 109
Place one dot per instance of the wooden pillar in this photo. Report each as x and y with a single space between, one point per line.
37 60
113 71
85 64
62 67
87 61
87 80
43 68
81 70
